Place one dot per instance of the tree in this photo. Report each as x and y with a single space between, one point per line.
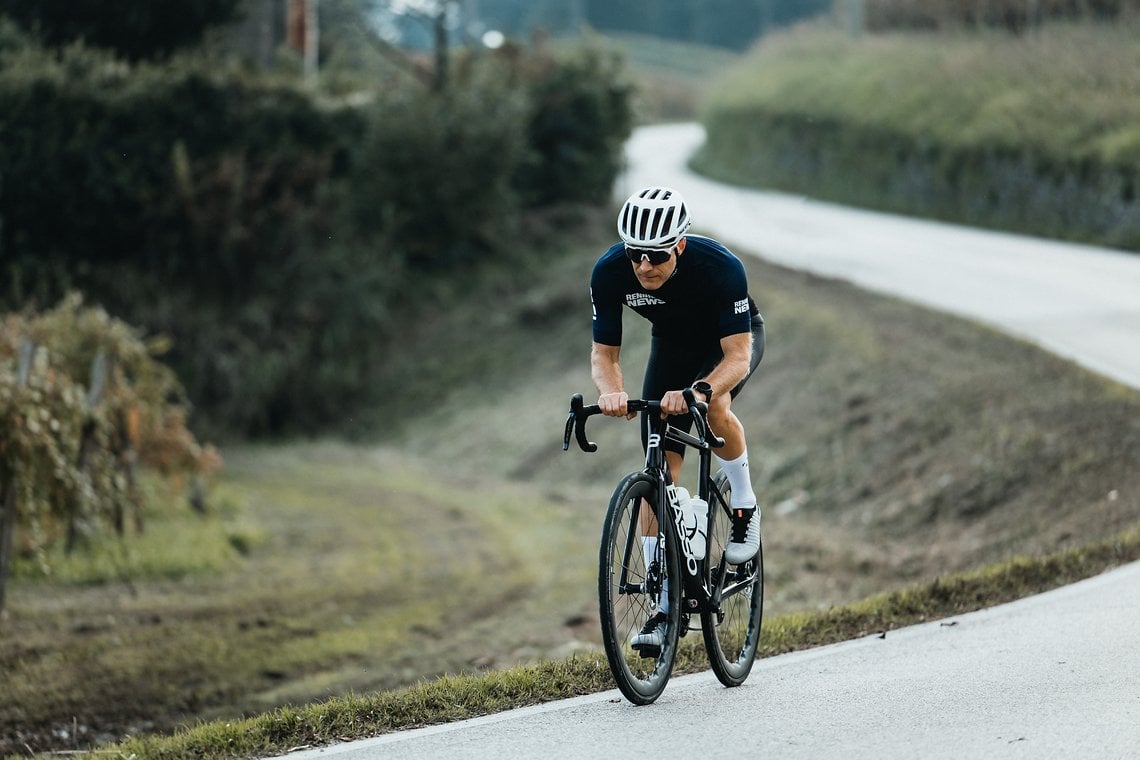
135 29
438 15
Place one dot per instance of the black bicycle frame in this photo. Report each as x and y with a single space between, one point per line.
699 595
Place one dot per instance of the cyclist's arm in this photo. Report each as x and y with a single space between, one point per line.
734 366
735 310
606 372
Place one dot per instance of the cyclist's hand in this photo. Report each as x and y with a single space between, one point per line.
615 404
673 402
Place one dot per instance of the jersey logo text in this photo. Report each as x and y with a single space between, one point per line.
642 299
740 307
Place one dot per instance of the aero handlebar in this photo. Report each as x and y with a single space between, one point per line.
579 413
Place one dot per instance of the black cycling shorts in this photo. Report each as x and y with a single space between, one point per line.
677 364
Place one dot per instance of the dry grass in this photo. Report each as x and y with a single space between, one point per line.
458 697
891 446
1069 89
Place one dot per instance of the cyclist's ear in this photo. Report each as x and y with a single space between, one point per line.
681 246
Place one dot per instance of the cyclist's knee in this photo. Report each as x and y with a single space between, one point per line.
723 421
720 410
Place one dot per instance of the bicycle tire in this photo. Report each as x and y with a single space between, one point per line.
622 613
732 632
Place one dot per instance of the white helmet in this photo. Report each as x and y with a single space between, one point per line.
655 217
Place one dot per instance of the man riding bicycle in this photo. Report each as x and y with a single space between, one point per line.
707 335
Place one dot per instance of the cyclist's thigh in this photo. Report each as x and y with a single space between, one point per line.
676 364
757 352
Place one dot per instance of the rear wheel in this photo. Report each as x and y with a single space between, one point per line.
632 587
732 629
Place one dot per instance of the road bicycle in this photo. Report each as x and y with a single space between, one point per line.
636 579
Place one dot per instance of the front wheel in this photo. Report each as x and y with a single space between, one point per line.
633 587
732 629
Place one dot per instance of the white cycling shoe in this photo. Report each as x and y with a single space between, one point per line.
652 635
744 542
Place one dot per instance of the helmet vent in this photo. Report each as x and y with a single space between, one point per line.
655 217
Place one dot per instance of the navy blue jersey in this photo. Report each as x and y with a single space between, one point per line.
706 297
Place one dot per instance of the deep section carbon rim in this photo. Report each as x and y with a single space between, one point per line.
630 586
732 632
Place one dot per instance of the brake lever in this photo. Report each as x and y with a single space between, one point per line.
569 428
699 411
576 421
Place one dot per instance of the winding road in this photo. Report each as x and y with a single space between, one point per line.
1052 676
1077 301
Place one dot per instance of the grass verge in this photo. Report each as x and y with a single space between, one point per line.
890 445
1067 90
1034 133
459 697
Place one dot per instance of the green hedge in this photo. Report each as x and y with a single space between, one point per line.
135 28
282 239
999 187
1031 135
191 173
1013 15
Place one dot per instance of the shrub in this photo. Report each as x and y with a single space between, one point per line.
277 237
91 404
433 172
136 29
579 119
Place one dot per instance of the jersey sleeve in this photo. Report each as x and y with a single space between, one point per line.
733 305
606 303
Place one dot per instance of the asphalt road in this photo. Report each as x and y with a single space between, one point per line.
1052 676
1080 302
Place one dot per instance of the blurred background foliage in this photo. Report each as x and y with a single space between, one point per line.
134 30
278 231
187 222
282 213
200 207
285 210
1032 132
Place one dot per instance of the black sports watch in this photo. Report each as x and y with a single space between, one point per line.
702 387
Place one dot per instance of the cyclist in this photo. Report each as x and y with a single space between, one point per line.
707 334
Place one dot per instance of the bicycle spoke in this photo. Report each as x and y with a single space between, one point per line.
629 593
732 632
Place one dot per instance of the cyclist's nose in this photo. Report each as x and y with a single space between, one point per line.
644 265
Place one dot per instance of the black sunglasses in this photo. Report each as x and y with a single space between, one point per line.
656 258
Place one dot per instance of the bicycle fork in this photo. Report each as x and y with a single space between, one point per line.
641 523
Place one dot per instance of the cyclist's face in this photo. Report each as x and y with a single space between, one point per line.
652 277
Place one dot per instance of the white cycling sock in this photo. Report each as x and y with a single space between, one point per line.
743 496
649 547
